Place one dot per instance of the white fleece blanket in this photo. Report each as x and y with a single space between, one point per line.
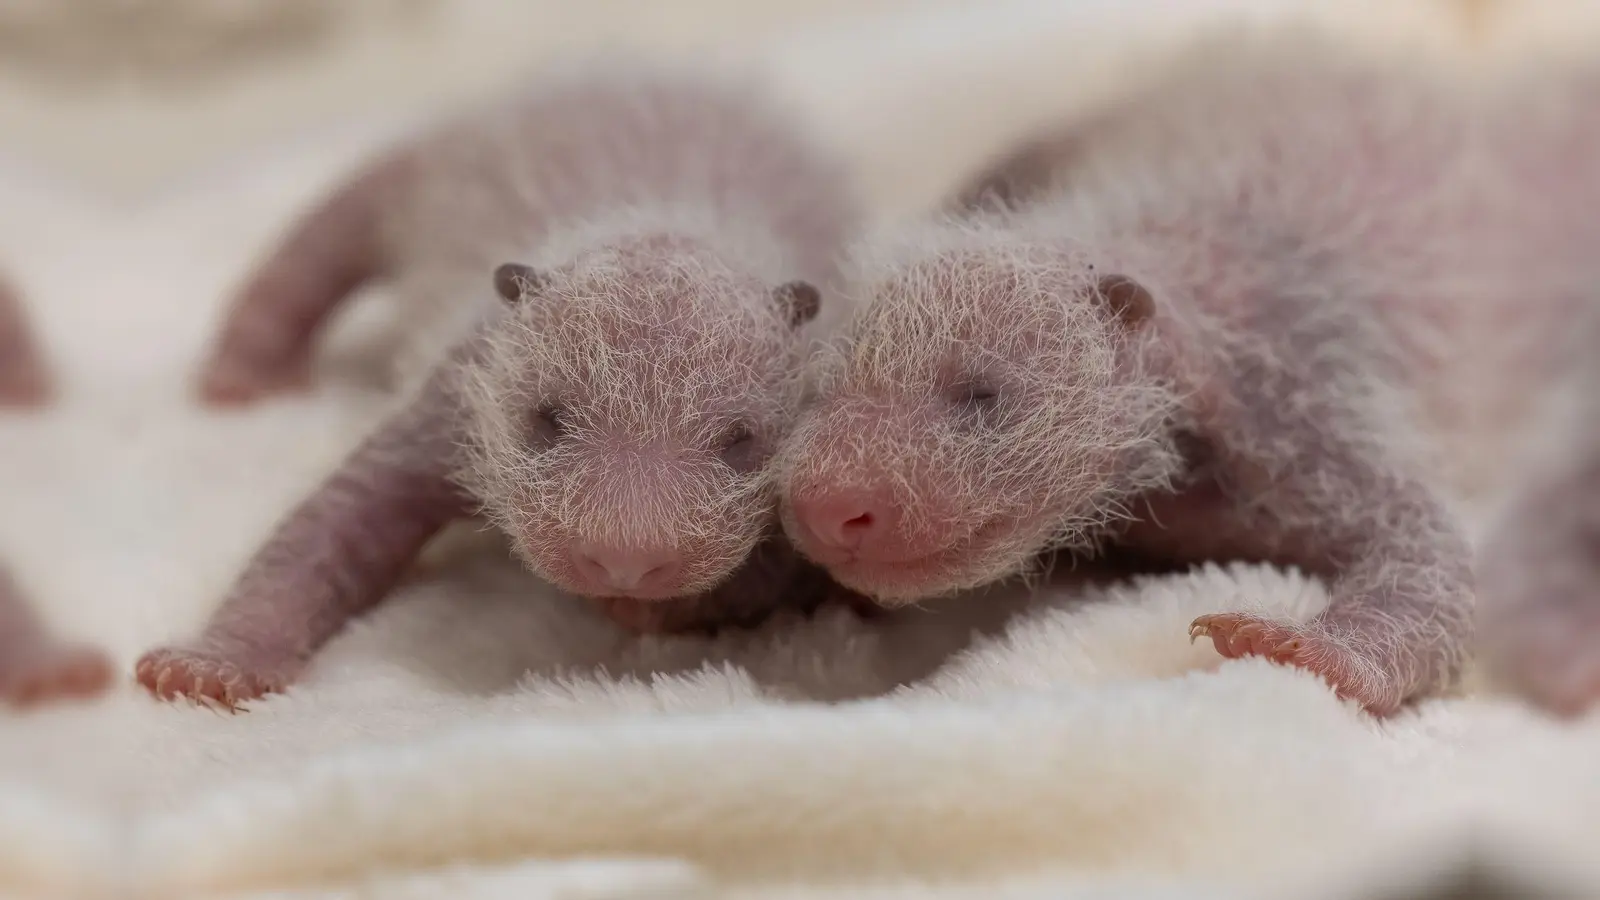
481 737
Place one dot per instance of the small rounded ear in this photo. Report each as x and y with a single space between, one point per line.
514 281
1127 299
801 299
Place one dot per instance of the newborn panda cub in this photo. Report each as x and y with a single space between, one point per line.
1169 348
640 253
35 666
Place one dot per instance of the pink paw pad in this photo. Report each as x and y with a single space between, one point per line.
220 678
1237 635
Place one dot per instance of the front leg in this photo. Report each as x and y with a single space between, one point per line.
1313 477
1540 569
335 557
1394 629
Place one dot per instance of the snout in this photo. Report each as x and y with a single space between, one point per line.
842 525
647 572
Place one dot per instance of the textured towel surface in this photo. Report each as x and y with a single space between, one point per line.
481 737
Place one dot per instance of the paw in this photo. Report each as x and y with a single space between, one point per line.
236 379
53 671
24 384
215 677
1352 676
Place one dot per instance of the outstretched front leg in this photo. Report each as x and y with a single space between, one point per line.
266 339
1311 477
35 666
333 558
1399 616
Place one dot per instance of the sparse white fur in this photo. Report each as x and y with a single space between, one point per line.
1302 219
663 209
640 394
610 148
1094 401
613 271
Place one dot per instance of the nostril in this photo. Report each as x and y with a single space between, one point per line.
658 574
625 568
588 565
857 524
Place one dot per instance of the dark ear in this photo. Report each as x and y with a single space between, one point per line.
1127 299
514 281
801 299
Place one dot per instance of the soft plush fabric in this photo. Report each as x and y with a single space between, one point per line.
479 736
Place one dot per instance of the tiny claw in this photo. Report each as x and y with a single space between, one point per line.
1247 636
1288 650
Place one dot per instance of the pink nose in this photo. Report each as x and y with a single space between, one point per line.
853 522
614 568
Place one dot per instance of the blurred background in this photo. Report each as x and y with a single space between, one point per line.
151 150
128 94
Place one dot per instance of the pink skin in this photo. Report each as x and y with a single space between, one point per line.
344 548
614 415
652 488
332 559
265 346
1539 563
1540 568
1394 626
347 545
24 378
35 666
1129 345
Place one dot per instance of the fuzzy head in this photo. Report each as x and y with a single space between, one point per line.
622 414
992 399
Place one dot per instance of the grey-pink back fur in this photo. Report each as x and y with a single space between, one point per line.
1276 187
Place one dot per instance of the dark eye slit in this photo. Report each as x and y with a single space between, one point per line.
736 434
553 416
549 423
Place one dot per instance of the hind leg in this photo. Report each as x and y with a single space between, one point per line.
1540 570
265 343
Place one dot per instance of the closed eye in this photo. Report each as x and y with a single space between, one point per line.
976 402
982 396
737 446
